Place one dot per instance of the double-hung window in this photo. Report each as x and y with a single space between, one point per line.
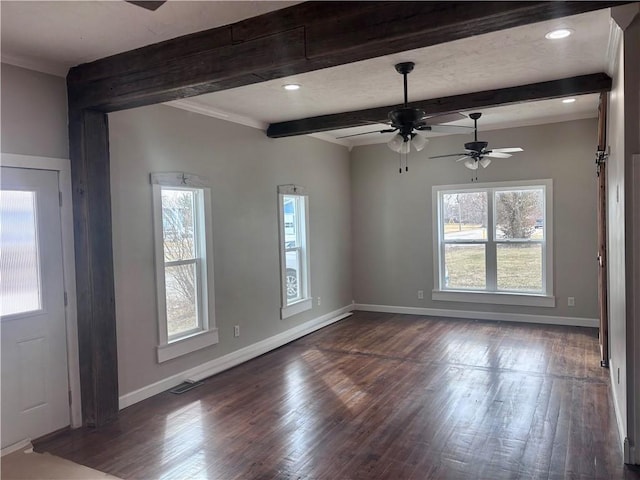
493 243
184 264
293 215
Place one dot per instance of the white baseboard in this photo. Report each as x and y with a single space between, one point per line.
235 358
620 420
496 316
22 445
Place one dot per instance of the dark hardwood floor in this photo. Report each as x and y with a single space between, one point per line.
379 396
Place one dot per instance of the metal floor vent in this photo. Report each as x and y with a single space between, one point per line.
185 387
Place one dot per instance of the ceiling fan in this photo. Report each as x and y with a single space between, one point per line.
477 152
409 122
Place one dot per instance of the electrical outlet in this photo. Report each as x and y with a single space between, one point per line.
319 301
420 294
571 301
236 330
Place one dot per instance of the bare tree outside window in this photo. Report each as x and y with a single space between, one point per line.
517 213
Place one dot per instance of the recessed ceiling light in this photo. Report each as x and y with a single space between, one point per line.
291 86
560 33
568 100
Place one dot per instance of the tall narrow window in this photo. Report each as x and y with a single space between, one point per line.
184 266
492 243
294 250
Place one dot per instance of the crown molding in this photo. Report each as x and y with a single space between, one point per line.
204 109
36 64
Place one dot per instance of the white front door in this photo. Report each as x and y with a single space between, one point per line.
35 382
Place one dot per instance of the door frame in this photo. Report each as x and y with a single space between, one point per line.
63 167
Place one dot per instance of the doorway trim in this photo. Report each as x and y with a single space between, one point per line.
63 167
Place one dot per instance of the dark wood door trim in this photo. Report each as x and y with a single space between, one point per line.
602 231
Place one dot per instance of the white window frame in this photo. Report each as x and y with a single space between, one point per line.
206 334
491 294
304 302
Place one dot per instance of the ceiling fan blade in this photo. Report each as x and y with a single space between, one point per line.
463 158
493 154
448 155
380 122
507 150
367 133
148 4
446 128
445 118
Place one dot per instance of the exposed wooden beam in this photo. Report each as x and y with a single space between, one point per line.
597 82
89 142
305 37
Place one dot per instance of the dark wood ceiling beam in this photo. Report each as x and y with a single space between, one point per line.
597 82
302 38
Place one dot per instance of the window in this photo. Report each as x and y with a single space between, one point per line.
294 249
184 264
493 243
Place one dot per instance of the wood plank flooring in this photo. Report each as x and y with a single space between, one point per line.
379 396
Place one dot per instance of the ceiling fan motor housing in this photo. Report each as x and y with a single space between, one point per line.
476 146
406 119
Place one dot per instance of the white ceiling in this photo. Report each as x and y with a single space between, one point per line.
52 36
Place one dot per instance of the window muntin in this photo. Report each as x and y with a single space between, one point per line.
513 250
294 249
184 264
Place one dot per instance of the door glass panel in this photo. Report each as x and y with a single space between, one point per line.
20 288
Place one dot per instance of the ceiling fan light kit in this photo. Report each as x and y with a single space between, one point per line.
471 164
485 162
419 142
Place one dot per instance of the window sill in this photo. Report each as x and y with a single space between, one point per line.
499 298
296 308
187 345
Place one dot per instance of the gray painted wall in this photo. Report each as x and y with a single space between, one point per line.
392 214
244 167
34 113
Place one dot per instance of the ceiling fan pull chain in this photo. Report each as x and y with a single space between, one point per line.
399 163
